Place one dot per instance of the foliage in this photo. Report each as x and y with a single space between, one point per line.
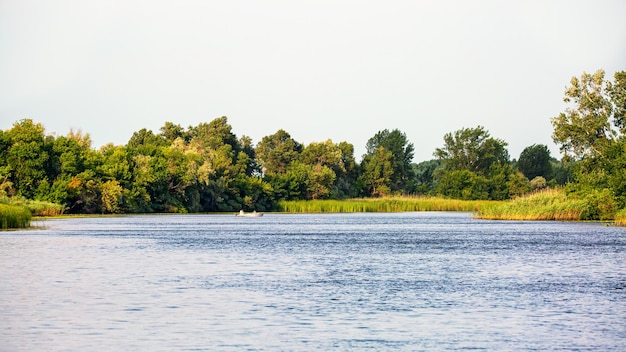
595 117
13 216
377 172
591 132
463 184
471 149
208 168
275 152
620 218
36 207
476 166
538 183
392 155
535 161
424 171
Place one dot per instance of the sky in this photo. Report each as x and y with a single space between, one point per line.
340 69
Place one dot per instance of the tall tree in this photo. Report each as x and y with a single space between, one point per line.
534 161
27 156
472 149
275 152
591 131
396 143
378 170
594 118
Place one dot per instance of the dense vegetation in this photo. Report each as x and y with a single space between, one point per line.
13 216
387 204
207 167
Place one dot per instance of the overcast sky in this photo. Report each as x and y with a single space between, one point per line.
339 70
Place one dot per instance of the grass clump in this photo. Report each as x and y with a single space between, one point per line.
387 204
620 218
554 204
37 207
14 216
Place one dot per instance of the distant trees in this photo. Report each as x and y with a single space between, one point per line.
475 165
208 168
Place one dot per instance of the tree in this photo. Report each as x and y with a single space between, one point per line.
27 156
535 161
396 143
425 175
595 117
378 172
111 196
591 131
471 149
275 152
463 184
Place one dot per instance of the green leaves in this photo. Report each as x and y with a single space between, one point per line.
594 118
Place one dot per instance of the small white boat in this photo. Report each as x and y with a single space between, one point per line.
254 214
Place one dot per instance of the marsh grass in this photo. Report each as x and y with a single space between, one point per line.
13 216
620 218
388 204
550 204
38 208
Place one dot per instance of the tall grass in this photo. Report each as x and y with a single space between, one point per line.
620 218
13 216
390 204
550 204
38 208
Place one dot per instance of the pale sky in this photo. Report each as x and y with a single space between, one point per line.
340 70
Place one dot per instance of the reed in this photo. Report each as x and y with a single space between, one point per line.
620 218
38 208
388 204
550 204
13 216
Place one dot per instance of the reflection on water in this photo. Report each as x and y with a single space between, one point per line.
405 281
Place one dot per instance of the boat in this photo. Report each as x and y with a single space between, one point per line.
254 214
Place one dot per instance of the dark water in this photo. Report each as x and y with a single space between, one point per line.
406 281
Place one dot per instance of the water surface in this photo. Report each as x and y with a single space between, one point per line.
400 281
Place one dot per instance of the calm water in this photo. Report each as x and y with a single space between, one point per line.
406 281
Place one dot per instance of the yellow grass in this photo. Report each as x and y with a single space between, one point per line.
387 204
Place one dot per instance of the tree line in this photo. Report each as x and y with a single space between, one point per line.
207 167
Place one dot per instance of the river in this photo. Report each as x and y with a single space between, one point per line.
383 281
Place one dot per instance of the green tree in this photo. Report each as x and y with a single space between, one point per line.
463 184
111 195
377 173
275 152
329 162
395 142
534 161
170 132
27 156
471 149
425 174
591 132
595 115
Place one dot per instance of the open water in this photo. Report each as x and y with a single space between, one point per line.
400 281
